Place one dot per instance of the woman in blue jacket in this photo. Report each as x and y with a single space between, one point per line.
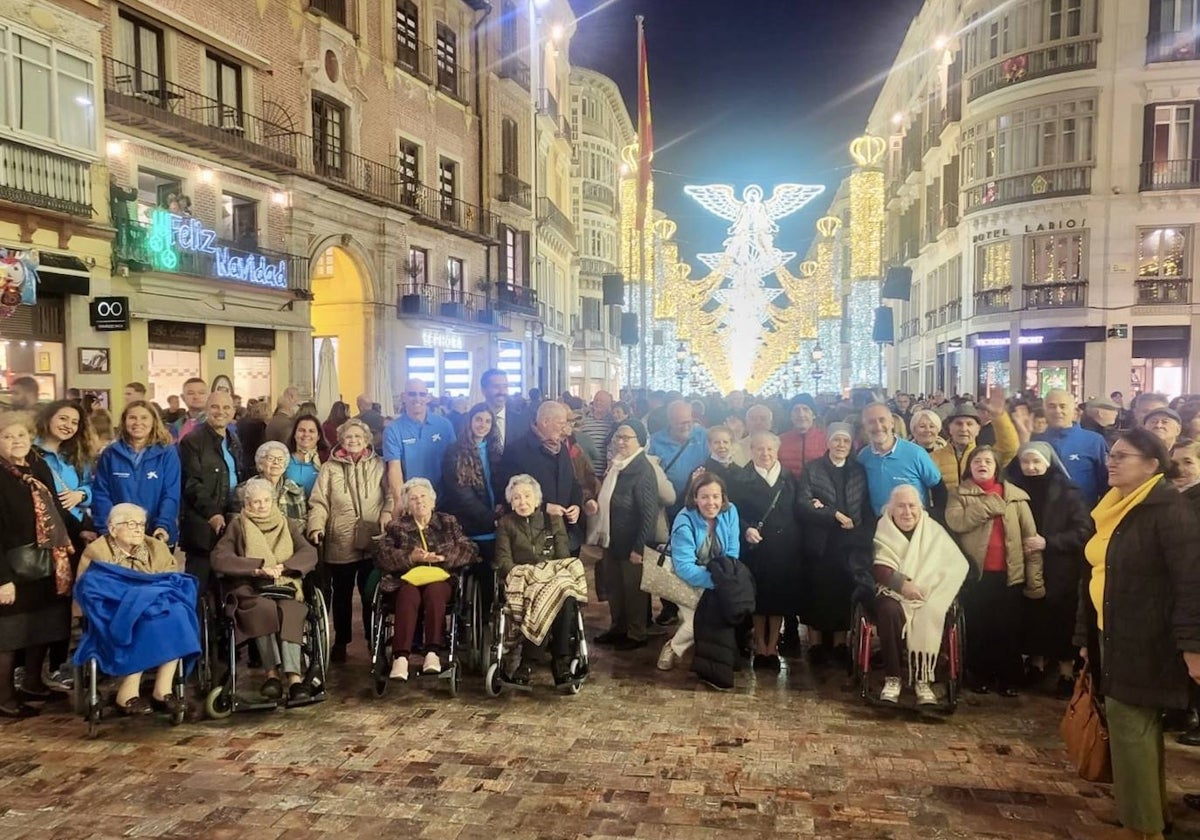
309 451
66 442
140 467
707 527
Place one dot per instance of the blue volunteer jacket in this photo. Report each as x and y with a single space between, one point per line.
150 479
687 535
1085 455
66 477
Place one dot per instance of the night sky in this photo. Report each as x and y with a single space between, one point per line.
747 91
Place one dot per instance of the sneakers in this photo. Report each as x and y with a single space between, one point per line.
925 695
431 665
61 680
399 669
891 690
667 658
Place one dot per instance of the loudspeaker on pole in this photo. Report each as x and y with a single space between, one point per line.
629 328
614 289
883 330
897 284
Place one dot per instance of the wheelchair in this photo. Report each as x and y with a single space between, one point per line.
496 680
463 638
219 647
89 699
863 637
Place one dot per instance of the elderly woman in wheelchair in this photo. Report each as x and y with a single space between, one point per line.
543 589
138 612
262 559
417 554
918 572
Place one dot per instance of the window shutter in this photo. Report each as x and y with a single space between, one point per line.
1195 133
1148 134
525 254
1155 33
502 254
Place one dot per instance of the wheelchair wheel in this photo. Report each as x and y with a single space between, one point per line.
577 677
493 682
204 667
319 615
454 679
861 652
94 715
218 705
955 669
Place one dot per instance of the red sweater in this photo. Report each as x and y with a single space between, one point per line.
995 560
796 449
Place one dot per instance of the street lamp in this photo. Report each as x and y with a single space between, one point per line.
797 374
681 370
817 355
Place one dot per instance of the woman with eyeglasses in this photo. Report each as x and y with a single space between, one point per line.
141 467
1141 608
271 461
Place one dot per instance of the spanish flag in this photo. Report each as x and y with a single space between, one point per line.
645 128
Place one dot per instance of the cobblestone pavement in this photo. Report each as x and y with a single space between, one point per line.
636 754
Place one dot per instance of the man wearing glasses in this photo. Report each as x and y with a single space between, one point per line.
415 442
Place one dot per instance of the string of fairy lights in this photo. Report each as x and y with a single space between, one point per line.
731 327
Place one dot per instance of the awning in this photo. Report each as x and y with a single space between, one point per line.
63 274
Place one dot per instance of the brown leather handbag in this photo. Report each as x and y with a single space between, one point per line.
1085 732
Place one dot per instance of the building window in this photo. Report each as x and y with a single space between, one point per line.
1172 138
1173 30
418 268
448 186
447 59
140 51
1029 140
408 41
1056 258
993 266
157 191
1065 18
225 87
52 94
510 255
1164 253
239 221
454 275
335 10
508 29
510 154
329 135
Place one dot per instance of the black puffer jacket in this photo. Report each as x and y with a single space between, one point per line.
1151 602
1065 522
718 615
817 483
633 510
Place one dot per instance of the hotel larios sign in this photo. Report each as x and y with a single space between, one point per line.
171 235
1042 227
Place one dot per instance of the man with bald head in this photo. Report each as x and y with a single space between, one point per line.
891 462
544 454
1083 453
758 419
415 443
211 461
598 427
681 448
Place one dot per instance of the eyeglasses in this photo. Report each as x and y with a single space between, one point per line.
1119 457
275 459
416 394
624 437
131 523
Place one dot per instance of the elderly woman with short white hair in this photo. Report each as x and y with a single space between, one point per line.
261 547
160 637
271 461
416 556
925 428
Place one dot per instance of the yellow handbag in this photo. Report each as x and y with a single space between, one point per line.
423 575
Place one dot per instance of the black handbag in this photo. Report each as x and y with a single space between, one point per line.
29 563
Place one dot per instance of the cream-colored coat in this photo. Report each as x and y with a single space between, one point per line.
344 491
969 514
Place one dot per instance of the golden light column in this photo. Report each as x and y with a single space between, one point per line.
825 285
868 197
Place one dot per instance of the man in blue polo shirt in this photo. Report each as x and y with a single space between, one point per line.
891 462
415 442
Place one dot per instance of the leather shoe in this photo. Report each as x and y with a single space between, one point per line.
1192 800
1191 738
627 643
609 637
18 710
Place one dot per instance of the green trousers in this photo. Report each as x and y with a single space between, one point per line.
1135 736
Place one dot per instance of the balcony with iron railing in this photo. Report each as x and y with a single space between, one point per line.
515 191
547 106
422 300
931 320
1060 294
591 339
949 215
515 69
1076 54
550 215
335 10
454 81
600 194
145 247
933 134
138 99
40 178
512 297
1163 291
1032 186
596 268
993 301
954 311
1170 175
416 58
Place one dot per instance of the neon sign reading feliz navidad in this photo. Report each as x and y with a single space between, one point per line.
171 234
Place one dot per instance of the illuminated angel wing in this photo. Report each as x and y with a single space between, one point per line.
788 198
718 199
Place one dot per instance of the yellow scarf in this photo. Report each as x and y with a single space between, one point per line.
1108 515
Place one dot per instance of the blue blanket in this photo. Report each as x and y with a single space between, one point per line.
136 621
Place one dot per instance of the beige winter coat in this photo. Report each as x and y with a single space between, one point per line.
969 514
344 490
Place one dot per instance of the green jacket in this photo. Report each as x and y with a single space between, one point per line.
529 539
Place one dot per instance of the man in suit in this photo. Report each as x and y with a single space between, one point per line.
509 425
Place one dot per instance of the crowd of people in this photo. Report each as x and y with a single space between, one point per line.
1068 534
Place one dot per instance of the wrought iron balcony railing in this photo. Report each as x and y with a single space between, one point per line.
991 301
596 268
1034 186
427 301
1160 291
1170 175
954 311
515 191
1068 294
601 194
335 10
41 178
549 214
516 298
1078 54
514 68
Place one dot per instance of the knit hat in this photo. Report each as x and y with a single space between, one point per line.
637 427
1040 448
834 429
805 399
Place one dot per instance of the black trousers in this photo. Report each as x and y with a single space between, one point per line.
339 581
889 621
993 613
562 634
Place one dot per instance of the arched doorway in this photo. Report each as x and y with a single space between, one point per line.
342 311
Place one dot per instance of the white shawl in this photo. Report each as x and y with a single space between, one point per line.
933 562
601 532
